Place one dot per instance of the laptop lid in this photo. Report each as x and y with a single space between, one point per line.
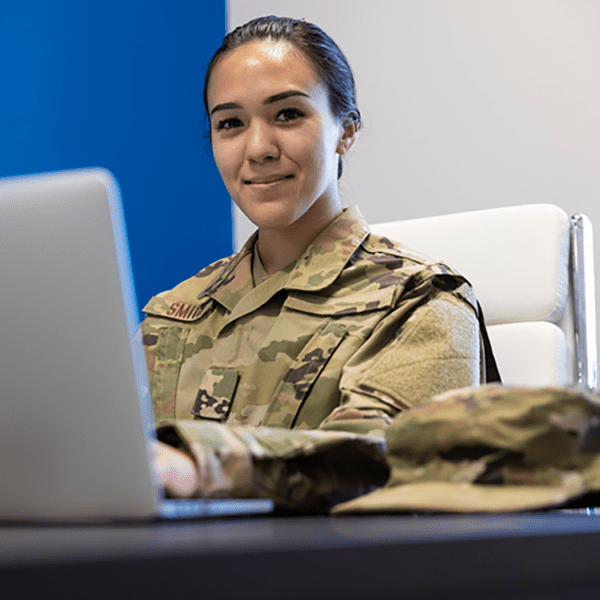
71 436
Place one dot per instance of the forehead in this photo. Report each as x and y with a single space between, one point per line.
261 67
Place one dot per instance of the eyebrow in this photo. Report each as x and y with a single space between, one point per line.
269 100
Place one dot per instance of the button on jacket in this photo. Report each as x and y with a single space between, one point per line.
354 331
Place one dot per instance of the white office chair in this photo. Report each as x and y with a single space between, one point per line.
533 273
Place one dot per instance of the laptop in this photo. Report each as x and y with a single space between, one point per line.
74 393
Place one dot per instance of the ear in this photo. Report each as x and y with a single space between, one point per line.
349 131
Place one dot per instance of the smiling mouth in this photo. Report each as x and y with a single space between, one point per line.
269 180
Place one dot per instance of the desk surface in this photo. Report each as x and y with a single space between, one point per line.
552 555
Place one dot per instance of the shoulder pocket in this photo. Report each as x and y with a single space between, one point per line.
326 305
164 347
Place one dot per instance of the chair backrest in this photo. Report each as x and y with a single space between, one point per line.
532 271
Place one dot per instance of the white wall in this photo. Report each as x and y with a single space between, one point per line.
467 104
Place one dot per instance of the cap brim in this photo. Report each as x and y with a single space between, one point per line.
439 496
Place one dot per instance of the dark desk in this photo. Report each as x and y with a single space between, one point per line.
539 556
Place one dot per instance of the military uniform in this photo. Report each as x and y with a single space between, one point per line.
356 330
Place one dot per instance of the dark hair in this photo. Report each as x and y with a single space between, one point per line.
327 58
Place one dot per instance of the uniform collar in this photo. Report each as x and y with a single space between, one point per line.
235 280
320 264
327 255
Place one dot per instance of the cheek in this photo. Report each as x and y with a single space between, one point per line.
312 151
220 157
224 159
323 161
226 168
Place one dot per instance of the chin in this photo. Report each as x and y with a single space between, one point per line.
272 215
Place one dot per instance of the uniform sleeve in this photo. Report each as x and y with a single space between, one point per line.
149 340
408 360
163 364
301 470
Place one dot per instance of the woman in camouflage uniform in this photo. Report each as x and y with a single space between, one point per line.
315 323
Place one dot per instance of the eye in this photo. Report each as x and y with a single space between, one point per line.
227 124
289 114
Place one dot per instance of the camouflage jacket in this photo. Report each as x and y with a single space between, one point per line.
354 331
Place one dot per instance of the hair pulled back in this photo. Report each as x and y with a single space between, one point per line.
328 60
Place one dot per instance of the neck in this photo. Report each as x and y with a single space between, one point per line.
279 246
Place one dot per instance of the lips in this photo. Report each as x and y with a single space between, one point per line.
267 180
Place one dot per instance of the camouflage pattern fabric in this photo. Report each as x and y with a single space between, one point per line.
491 449
356 330
300 470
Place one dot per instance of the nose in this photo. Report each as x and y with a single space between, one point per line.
262 143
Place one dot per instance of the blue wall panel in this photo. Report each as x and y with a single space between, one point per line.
118 84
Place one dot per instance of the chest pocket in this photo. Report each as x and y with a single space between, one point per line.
297 382
337 315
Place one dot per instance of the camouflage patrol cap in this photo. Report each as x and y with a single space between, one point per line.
490 449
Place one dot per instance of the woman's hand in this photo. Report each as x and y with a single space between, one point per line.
175 469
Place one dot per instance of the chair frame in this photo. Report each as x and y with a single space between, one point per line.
584 299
